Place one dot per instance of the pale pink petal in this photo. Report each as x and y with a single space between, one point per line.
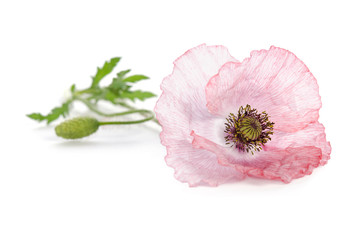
273 80
277 164
207 84
198 166
313 135
182 107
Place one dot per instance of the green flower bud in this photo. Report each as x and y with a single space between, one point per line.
77 127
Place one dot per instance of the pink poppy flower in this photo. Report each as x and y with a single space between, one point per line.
223 120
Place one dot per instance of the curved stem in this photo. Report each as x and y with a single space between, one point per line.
94 109
126 122
131 108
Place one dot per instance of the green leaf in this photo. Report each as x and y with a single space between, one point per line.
110 96
118 86
137 95
135 78
121 74
72 88
117 83
53 115
105 70
36 116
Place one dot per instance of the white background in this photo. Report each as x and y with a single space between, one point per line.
115 184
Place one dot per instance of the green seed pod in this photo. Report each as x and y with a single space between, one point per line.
77 127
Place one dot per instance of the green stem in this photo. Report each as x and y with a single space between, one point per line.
126 122
132 110
144 112
84 91
130 107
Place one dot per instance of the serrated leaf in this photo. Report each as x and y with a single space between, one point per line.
121 74
137 95
118 86
135 78
117 82
53 115
105 70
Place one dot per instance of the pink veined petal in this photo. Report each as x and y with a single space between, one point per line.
198 166
312 135
182 107
273 80
278 164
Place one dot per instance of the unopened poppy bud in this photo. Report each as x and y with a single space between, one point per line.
77 127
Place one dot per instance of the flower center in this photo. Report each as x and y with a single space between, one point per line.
248 130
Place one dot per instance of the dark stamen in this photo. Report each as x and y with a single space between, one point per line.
248 131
